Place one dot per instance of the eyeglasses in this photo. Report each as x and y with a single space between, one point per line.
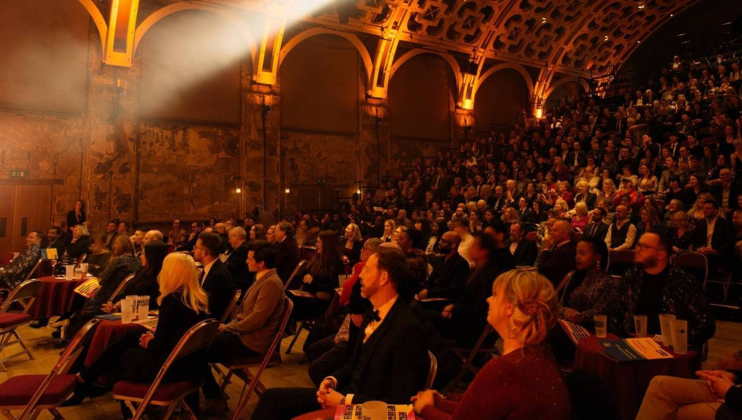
645 246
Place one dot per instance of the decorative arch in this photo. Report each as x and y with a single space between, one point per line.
100 21
411 54
564 81
164 12
365 56
517 67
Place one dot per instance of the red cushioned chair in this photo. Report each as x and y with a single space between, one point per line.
241 367
35 393
199 337
24 295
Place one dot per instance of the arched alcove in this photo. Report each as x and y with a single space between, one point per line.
191 68
500 98
44 51
321 81
421 98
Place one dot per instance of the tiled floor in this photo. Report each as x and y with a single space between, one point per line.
290 373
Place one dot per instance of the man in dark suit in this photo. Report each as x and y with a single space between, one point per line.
596 228
288 251
558 255
714 237
237 260
56 241
216 280
389 362
524 251
449 279
111 234
725 191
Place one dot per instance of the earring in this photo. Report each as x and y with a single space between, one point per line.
598 264
508 327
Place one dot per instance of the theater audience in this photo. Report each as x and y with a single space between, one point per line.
522 308
236 260
56 240
176 236
590 290
653 286
138 357
216 280
621 233
681 233
596 228
389 228
16 272
391 345
557 257
352 244
196 229
321 278
448 280
112 232
145 281
252 330
288 251
258 233
123 264
100 257
714 237
80 243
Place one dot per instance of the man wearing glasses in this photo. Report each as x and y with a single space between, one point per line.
654 287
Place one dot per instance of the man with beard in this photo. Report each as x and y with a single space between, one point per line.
449 279
654 287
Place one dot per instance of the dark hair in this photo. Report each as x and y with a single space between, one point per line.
212 242
265 252
260 231
155 253
330 261
486 242
393 261
416 237
286 228
125 224
599 247
425 228
665 240
521 226
115 221
56 229
713 203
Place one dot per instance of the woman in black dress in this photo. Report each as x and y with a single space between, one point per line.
144 282
321 278
77 216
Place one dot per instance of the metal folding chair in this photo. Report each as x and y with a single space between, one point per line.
241 367
24 295
294 274
467 355
36 393
433 370
170 394
307 324
231 308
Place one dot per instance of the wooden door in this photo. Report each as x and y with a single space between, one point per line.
7 213
32 212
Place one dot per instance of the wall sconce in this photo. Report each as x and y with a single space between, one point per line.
287 191
539 113
467 104
238 190
238 187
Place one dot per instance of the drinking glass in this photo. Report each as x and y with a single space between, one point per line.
601 325
640 323
666 328
680 336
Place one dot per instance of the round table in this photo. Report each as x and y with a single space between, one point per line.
106 333
55 297
629 380
326 414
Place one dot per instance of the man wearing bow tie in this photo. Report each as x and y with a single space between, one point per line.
390 360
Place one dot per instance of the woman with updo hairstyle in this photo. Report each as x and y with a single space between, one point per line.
525 382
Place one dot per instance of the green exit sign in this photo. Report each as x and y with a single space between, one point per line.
19 174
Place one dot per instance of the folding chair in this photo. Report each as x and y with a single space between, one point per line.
232 307
121 287
620 260
24 294
199 337
433 370
564 285
467 355
307 324
35 393
294 274
695 264
241 367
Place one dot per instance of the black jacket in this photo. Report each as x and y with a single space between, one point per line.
589 199
722 240
218 284
237 266
525 252
72 220
288 258
449 280
600 232
398 350
554 265
82 246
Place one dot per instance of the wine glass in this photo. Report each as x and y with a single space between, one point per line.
53 262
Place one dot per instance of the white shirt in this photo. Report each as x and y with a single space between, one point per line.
383 312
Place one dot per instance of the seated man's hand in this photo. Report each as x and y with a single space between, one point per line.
424 399
447 311
329 398
423 294
145 339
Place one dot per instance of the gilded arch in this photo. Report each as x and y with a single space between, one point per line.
564 81
410 54
520 69
365 56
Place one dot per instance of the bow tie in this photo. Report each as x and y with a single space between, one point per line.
374 316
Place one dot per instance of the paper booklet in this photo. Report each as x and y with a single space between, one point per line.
89 288
633 349
49 254
355 412
574 331
149 323
301 293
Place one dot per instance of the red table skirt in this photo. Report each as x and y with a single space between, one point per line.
106 333
55 297
328 413
630 380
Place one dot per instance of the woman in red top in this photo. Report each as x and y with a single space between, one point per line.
525 383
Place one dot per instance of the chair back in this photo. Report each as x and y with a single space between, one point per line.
121 287
433 370
695 264
63 365
82 259
232 307
199 337
564 285
24 291
294 273
288 306
620 260
31 274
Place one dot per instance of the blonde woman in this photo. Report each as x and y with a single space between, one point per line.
353 244
80 243
609 191
695 214
138 357
389 229
581 217
681 233
522 308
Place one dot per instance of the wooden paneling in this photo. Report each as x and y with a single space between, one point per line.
7 211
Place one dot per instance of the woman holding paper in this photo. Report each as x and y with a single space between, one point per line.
138 357
144 282
123 264
522 309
